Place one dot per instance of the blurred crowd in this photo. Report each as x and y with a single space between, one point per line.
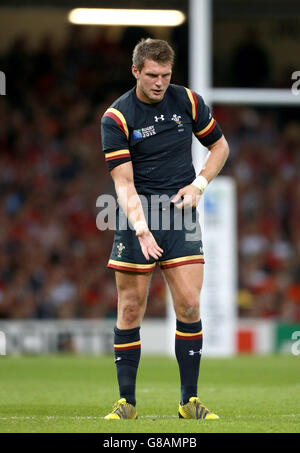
265 164
52 256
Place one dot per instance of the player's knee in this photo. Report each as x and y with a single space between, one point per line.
189 310
130 313
131 308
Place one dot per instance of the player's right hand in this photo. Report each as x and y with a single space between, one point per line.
148 244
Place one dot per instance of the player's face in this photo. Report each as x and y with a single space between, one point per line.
152 81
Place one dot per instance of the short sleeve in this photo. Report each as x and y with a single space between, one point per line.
205 127
114 137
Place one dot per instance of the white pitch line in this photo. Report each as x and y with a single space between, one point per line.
72 417
90 417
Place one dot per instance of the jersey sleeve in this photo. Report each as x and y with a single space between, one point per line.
205 127
114 137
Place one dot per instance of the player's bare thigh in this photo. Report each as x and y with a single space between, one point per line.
132 288
185 283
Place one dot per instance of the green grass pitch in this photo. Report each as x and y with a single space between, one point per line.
72 394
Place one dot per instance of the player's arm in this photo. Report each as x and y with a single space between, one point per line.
216 158
131 204
209 133
115 136
127 195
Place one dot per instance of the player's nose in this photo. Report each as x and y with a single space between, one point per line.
158 82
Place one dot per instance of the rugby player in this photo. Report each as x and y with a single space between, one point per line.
147 137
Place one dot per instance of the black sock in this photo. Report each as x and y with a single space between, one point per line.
188 350
127 347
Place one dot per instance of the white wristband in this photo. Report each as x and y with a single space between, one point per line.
200 182
140 225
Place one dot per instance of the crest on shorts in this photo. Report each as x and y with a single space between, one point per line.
120 248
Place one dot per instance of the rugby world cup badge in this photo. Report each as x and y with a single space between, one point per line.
144 132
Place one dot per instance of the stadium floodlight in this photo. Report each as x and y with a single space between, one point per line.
107 16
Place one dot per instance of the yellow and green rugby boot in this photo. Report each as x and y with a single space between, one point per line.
196 410
122 410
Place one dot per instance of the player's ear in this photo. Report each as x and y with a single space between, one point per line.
135 71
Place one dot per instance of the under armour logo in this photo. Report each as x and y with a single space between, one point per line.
157 118
195 352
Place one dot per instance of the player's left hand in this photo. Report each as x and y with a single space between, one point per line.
189 196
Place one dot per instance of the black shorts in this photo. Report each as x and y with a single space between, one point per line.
175 230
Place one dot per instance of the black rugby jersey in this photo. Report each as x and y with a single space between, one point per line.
157 138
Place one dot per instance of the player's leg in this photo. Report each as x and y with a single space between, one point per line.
185 283
132 291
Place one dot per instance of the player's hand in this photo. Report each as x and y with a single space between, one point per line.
189 196
147 242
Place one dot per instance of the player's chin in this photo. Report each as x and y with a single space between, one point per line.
157 95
